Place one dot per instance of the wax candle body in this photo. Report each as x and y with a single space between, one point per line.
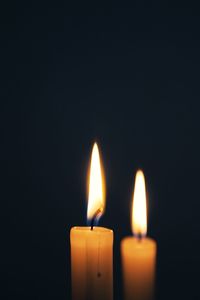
138 264
91 263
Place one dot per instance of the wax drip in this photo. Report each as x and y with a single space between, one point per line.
98 260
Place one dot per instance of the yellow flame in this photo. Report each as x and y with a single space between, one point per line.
139 209
96 199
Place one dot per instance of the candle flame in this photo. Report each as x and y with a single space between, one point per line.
96 198
139 209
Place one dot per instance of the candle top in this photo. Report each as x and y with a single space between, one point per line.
132 244
95 229
82 235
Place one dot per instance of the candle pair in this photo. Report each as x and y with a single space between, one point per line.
92 247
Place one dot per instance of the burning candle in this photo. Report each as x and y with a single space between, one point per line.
92 247
138 252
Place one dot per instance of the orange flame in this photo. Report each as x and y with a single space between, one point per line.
96 199
139 209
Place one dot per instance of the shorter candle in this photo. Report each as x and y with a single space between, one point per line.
92 247
138 252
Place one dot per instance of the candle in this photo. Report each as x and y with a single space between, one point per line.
92 247
138 253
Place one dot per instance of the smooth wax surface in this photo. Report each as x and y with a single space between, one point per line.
138 264
91 263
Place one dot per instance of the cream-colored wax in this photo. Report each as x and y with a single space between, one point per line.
138 265
91 263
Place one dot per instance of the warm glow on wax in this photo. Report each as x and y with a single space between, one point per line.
96 199
139 210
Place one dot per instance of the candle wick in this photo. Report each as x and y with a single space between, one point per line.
98 212
92 223
139 237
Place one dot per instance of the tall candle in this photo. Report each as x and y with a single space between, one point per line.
92 247
138 253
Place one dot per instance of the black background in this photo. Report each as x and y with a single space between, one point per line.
126 75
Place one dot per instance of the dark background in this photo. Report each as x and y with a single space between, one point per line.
126 75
